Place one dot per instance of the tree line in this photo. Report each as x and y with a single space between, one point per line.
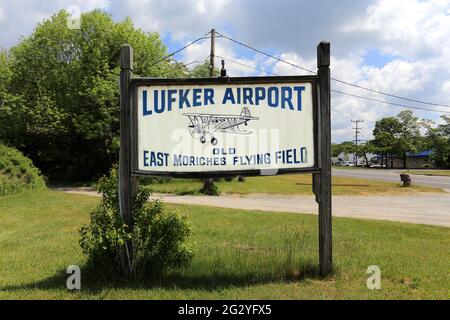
59 92
396 136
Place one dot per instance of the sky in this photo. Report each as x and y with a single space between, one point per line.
401 47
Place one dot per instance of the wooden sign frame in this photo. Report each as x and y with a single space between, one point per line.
128 170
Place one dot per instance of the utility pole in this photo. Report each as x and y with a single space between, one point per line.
208 183
356 128
213 53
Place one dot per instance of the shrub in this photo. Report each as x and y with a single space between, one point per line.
17 172
157 236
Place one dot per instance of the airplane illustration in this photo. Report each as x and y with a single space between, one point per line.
202 124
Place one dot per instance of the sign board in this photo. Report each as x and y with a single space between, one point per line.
225 126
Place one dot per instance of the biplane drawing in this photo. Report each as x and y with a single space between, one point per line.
203 124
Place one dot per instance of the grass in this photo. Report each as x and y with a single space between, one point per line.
239 255
300 184
445 173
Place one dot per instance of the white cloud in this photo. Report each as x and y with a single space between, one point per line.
406 27
182 18
2 16
21 16
87 5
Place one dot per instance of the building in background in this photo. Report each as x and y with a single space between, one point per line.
414 160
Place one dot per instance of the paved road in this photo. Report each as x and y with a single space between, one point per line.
394 176
420 208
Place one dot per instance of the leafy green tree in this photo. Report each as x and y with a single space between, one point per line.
334 150
386 133
362 150
399 135
5 71
202 71
438 140
346 147
409 138
62 101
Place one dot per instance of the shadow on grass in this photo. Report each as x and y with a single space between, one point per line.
93 282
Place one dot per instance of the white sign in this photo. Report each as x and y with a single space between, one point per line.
192 128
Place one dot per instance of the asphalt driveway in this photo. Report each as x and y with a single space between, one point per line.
393 176
419 208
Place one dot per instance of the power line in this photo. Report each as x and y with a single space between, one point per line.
334 79
205 36
264 53
390 95
388 102
245 65
184 65
340 92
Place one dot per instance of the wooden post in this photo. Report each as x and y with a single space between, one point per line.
127 183
322 180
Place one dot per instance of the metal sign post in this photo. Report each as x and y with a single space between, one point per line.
213 127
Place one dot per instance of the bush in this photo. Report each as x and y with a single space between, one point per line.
158 234
17 172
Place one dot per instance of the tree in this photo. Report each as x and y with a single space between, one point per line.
334 150
362 150
398 135
346 147
438 140
62 102
386 132
202 71
409 139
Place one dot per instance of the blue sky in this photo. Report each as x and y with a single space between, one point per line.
401 47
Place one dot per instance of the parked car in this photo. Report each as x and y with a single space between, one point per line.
376 165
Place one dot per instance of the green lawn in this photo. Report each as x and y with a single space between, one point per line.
291 184
239 255
445 173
